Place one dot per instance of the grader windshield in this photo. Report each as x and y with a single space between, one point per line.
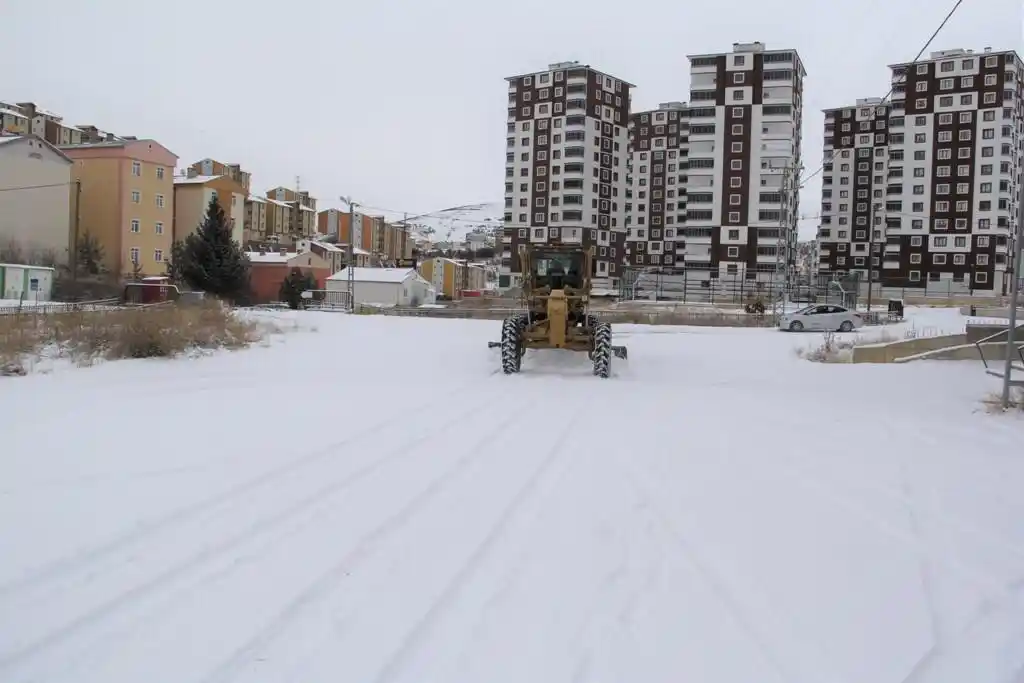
558 269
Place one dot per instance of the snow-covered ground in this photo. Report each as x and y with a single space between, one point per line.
372 501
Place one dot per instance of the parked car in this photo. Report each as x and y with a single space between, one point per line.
826 317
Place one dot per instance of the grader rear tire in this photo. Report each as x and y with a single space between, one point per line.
602 353
511 345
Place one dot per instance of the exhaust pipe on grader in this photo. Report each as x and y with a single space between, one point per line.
556 310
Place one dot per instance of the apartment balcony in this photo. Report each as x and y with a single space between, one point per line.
574 77
703 81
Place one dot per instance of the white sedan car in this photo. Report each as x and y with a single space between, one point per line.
821 317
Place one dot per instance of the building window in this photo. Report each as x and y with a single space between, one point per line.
135 225
136 169
136 196
159 228
133 255
158 255
733 252
160 201
160 172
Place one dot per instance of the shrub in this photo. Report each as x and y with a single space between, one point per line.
158 331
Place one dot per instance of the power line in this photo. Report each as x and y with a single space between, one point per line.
920 52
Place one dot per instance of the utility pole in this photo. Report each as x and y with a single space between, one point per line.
351 253
782 244
74 234
1011 342
871 251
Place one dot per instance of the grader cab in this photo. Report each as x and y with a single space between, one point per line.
556 309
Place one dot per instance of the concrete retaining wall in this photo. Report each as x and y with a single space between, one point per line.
995 352
888 352
978 332
991 312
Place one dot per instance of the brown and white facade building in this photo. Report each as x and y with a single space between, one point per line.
853 190
744 155
656 195
953 176
565 170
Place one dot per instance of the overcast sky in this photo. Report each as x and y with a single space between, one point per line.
403 104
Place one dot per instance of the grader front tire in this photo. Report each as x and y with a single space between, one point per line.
602 353
511 346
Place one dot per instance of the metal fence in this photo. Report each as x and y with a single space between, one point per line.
678 284
682 286
55 307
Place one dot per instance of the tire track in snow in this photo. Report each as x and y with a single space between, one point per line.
803 477
409 643
83 560
115 605
717 586
326 582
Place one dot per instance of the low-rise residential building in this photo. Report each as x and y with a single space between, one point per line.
335 254
37 218
47 124
387 243
302 218
126 201
279 221
268 269
384 286
13 121
192 196
233 171
91 133
328 222
255 229
444 274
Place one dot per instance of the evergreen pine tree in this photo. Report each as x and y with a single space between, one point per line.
211 261
293 286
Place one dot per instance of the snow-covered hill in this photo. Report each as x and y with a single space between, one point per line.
458 221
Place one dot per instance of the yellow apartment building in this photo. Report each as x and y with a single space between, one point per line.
255 228
302 218
214 167
127 200
450 277
13 121
192 196
279 221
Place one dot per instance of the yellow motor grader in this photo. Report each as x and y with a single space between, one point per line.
556 309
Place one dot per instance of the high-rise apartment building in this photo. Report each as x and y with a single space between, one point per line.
656 196
854 173
565 170
944 185
744 161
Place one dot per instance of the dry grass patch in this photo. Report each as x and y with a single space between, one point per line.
993 402
160 331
